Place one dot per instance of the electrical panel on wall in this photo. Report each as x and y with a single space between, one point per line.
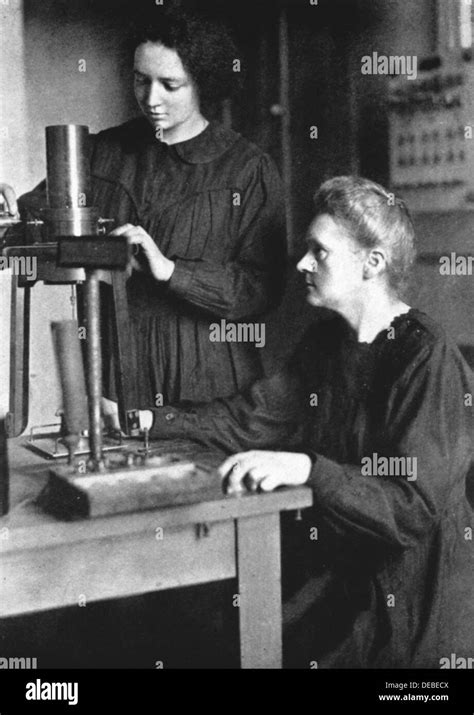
431 126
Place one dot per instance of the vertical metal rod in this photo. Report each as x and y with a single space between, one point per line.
265 94
94 364
19 359
353 114
285 127
4 473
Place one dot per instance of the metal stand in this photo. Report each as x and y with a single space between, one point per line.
76 249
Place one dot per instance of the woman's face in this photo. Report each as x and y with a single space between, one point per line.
164 90
333 266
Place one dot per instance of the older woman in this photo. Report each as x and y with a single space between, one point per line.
202 205
375 414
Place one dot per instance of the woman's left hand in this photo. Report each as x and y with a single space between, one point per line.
264 471
160 266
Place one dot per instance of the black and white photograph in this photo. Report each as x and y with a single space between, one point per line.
237 344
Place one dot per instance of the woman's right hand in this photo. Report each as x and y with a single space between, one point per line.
110 414
7 192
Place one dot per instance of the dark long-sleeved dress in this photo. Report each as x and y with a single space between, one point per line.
394 555
214 205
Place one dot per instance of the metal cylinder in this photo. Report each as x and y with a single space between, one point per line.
67 164
72 222
71 374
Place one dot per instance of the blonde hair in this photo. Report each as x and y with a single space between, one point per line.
373 217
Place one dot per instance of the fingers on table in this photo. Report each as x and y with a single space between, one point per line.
244 470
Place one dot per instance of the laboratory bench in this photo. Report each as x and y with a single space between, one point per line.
49 563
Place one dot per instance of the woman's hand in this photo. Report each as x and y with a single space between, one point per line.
7 193
110 414
8 200
264 471
161 267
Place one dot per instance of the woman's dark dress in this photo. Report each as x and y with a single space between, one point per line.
213 205
394 557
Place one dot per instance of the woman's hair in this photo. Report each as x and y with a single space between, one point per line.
373 217
204 46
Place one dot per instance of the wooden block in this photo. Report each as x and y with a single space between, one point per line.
160 481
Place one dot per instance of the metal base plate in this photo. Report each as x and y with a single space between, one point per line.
52 447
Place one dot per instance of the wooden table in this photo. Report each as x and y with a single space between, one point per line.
46 563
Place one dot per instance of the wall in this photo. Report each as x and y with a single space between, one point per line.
351 112
13 153
410 28
404 27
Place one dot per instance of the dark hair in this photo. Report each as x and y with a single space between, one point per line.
204 46
373 217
